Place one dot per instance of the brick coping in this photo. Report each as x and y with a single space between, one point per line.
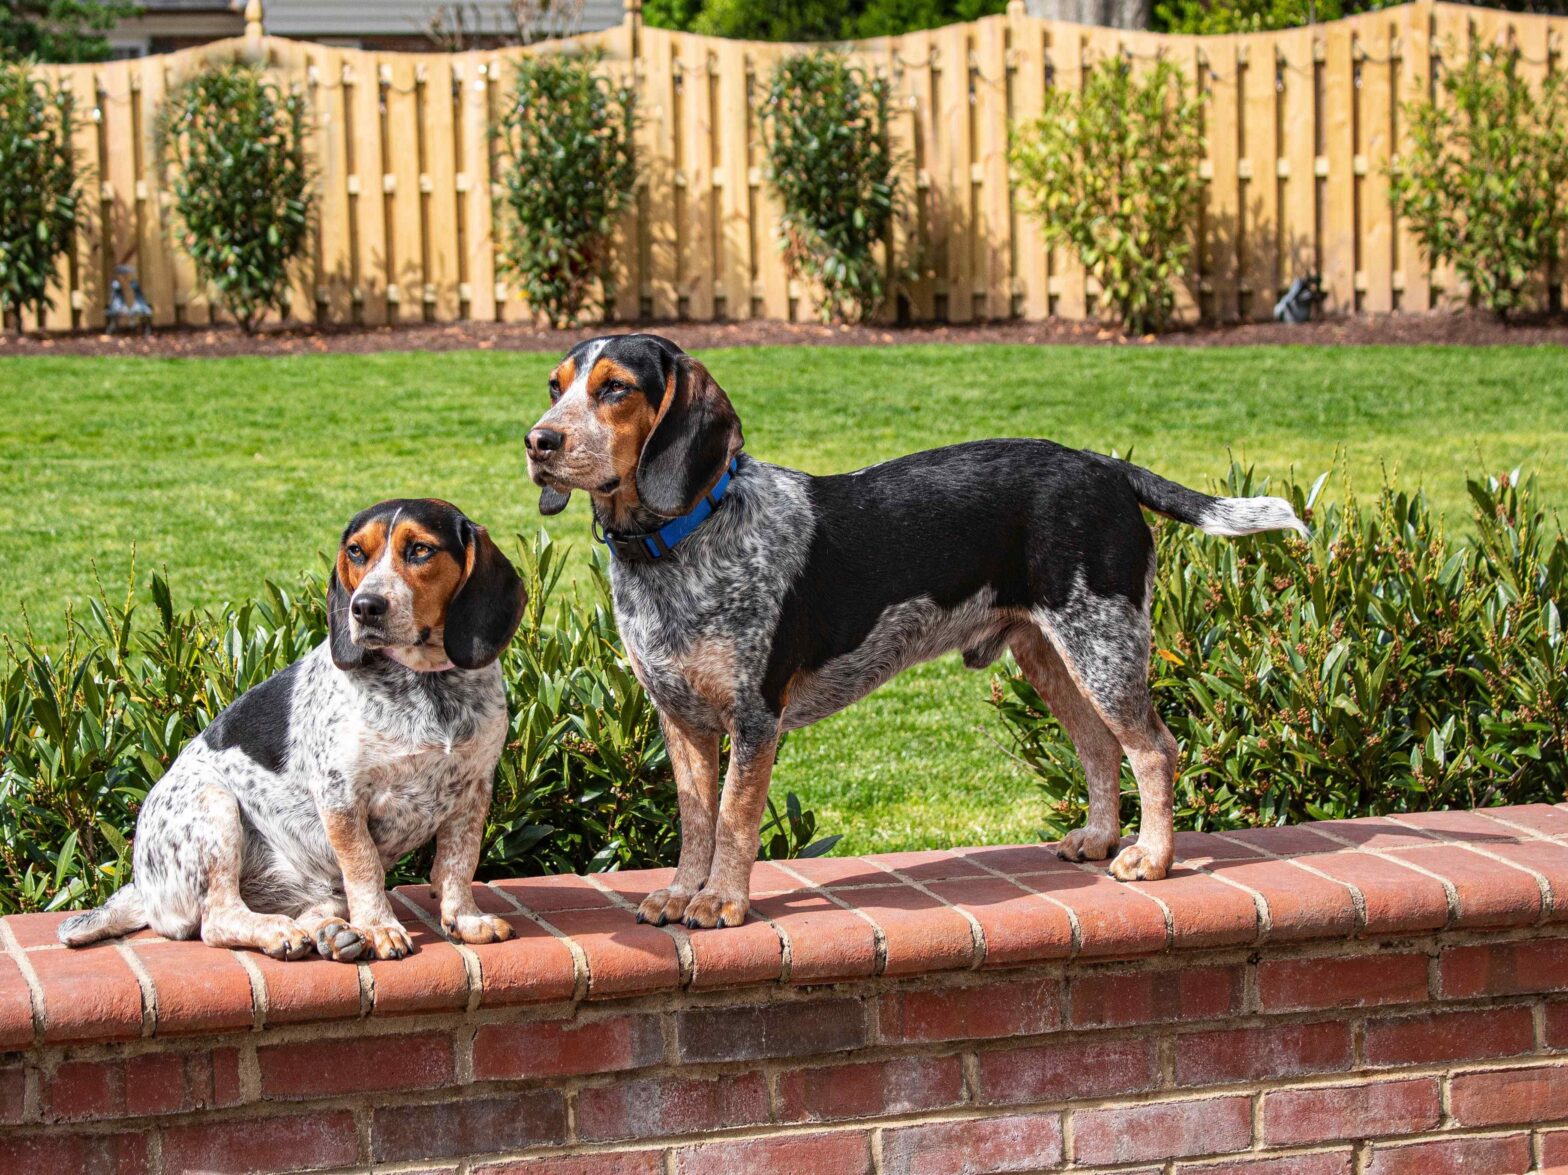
823 921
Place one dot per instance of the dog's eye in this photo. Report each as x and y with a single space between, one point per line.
614 390
420 550
555 390
356 552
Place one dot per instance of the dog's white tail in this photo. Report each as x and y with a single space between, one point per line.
121 914
1228 516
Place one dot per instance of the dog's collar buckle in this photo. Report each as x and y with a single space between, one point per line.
652 545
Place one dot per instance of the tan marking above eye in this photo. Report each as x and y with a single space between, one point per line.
608 371
370 539
434 581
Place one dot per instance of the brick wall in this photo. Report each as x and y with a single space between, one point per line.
1354 998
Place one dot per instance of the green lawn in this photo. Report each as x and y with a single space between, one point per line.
228 471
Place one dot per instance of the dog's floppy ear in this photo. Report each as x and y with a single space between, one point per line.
693 439
488 607
345 653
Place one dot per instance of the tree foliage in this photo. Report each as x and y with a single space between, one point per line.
813 20
60 30
38 186
234 146
1112 174
829 160
1485 181
571 167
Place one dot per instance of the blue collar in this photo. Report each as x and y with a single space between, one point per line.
653 545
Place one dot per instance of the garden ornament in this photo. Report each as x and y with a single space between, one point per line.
1296 305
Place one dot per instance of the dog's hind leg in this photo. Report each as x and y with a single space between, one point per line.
1104 644
1098 749
226 921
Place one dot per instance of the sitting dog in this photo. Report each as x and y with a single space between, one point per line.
754 600
274 828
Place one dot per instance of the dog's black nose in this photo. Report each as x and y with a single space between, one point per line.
544 441
368 607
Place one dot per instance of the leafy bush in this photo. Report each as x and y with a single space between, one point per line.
1485 180
60 30
571 168
38 183
813 20
1384 667
1206 17
583 785
1112 173
234 144
830 162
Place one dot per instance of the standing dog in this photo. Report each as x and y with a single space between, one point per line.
755 600
275 826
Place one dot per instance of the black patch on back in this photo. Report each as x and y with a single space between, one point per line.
257 722
1025 518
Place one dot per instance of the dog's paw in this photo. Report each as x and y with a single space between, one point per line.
338 941
477 928
386 940
663 906
285 942
715 908
1136 863
1083 844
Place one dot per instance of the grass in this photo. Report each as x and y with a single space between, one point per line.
225 472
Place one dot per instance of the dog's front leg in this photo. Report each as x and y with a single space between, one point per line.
365 883
694 756
458 841
725 898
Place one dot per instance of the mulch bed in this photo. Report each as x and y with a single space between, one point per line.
1402 329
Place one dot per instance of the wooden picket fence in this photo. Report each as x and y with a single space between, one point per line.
1302 127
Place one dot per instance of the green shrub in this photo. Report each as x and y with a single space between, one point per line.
1486 177
829 160
234 144
1112 174
38 187
583 785
1206 17
60 30
1384 667
571 167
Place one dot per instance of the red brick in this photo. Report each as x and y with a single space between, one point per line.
1205 912
1543 818
16 1007
533 966
432 979
80 1154
1115 998
1449 1036
1072 1068
768 878
152 1083
1374 832
472 1126
1525 1096
919 933
36 930
1317 1163
1550 860
840 872
1507 1155
1019 860
1490 892
561 892
296 1142
1301 905
1396 899
624 957
798 1028
1344 1113
556 1048
841 1153
1018 926
1554 1149
1291 840
928 866
1504 968
361 1064
736 955
1357 981
89 994
13 1094
312 988
1198 850
1017 1008
199 988
1114 920
1254 1054
1165 1130
831 1093
650 1162
1557 1025
827 943
1461 825
979 1146
632 885
656 1106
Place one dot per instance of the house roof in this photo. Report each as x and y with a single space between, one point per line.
389 18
